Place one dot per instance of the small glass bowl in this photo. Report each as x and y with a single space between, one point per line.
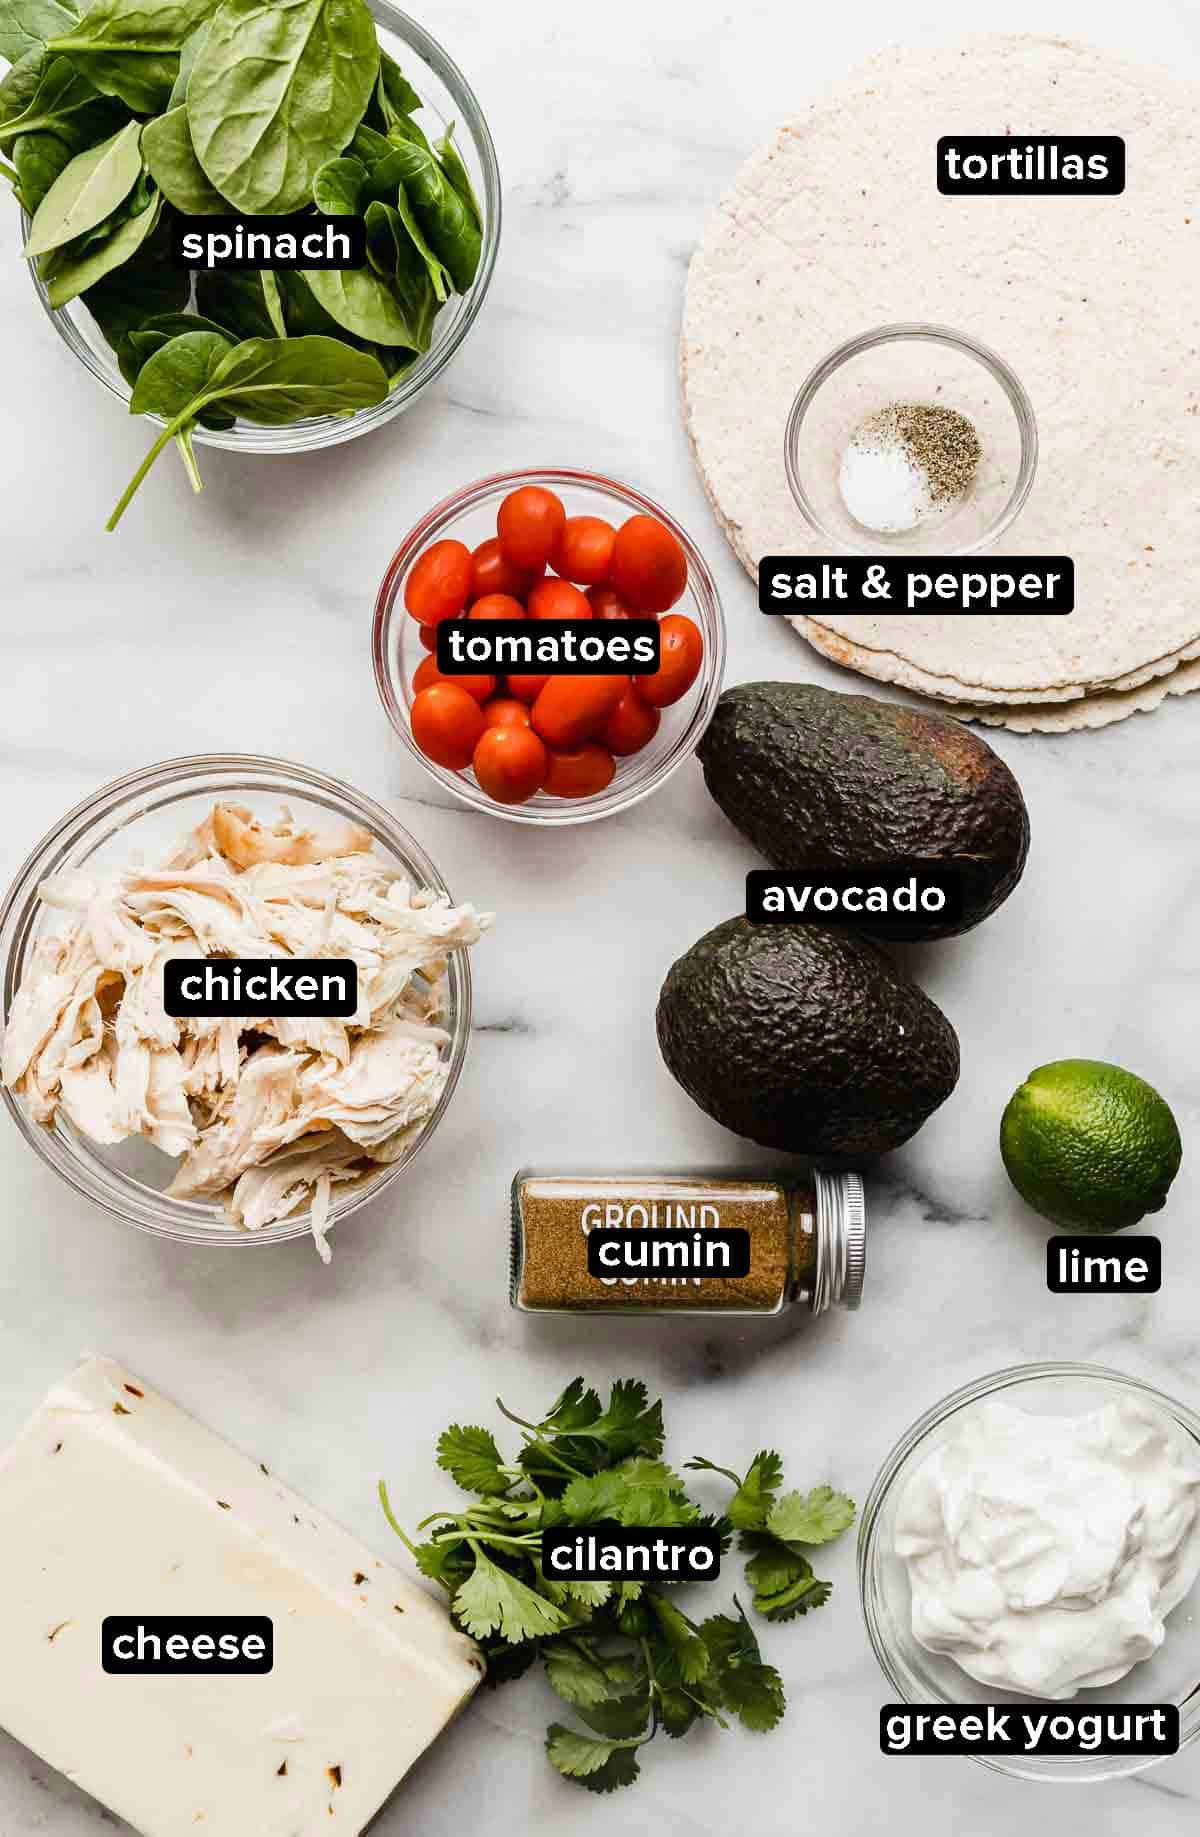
447 97
1172 1675
927 364
143 813
470 517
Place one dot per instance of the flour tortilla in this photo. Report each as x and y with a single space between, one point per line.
837 227
1092 711
890 668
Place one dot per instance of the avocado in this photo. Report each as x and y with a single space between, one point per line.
805 1038
818 779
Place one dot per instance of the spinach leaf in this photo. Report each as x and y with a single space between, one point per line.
361 303
238 302
176 370
25 25
39 158
73 275
188 53
135 294
275 381
276 91
273 301
442 214
386 185
46 94
454 169
171 161
338 186
392 254
394 96
87 191
130 48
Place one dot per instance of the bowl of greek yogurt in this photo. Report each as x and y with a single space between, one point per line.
1033 1541
911 439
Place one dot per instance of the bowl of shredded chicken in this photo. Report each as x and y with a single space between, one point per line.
260 1129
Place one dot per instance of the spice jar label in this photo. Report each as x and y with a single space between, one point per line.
1040 165
629 1251
919 584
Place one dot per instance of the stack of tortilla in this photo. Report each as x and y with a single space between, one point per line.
837 227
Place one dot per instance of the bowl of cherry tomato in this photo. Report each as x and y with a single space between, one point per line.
549 545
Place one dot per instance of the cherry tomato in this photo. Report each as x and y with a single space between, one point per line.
497 606
649 567
606 604
446 725
583 550
557 599
571 709
510 763
490 573
528 525
428 637
526 688
630 726
681 653
505 711
579 773
438 585
477 687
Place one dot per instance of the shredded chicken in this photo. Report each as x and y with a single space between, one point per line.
263 1115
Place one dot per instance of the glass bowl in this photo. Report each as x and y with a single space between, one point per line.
470 517
144 812
447 97
929 365
1171 1675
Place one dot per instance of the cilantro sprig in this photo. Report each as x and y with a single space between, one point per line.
625 1656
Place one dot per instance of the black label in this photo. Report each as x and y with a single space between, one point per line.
1042 1728
895 898
624 1553
1041 165
920 584
548 647
202 1645
630 1250
1113 1265
234 244
318 987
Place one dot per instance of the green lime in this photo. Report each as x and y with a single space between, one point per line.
1089 1146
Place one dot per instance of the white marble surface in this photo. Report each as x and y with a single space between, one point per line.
241 621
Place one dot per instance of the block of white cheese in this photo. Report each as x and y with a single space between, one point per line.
114 1502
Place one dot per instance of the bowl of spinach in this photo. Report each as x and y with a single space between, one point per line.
117 115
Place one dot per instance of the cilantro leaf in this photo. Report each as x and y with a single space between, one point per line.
636 1492
577 1673
755 1497
575 1408
599 1765
446 1563
678 1709
620 1716
507 1663
685 1646
811 1518
630 1424
783 1581
493 1601
471 1458
750 1690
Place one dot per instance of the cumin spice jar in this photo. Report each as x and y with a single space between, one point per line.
807 1242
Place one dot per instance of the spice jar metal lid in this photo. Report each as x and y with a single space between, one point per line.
841 1241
